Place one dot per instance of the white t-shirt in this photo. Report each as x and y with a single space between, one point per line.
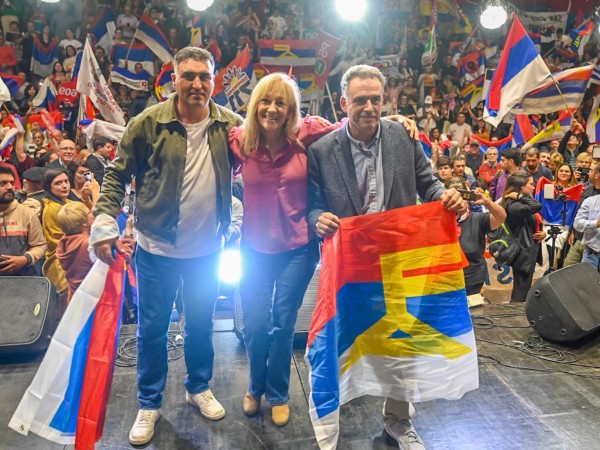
198 226
457 133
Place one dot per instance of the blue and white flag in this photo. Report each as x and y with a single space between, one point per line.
135 81
122 55
153 37
103 29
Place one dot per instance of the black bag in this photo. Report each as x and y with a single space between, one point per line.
503 246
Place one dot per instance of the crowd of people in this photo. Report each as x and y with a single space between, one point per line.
60 194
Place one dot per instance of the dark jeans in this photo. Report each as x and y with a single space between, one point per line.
272 289
158 280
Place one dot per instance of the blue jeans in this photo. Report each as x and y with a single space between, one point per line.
272 289
158 279
591 258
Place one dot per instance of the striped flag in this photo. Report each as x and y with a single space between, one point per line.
522 129
66 400
103 29
552 209
12 83
149 33
389 282
471 66
163 86
572 84
500 144
580 36
593 123
43 58
472 93
45 96
135 81
554 130
122 55
520 70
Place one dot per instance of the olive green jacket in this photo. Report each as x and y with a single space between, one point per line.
153 150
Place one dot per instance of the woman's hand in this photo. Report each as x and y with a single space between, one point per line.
513 196
409 124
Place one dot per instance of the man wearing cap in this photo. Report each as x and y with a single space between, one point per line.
22 241
427 116
572 144
33 189
474 158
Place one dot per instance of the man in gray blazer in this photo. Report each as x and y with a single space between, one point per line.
367 166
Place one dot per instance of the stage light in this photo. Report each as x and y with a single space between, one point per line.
230 269
352 10
50 1
199 5
494 15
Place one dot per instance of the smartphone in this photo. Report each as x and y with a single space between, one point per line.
470 196
596 151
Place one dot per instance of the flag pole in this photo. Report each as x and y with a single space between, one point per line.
331 101
562 96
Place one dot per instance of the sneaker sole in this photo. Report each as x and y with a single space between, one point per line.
133 441
189 401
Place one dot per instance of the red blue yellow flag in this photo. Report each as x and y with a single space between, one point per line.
391 317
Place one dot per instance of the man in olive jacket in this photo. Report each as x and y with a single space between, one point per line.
177 151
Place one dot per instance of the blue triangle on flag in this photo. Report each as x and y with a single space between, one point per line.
398 334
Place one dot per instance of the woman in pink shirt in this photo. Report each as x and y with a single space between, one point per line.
279 252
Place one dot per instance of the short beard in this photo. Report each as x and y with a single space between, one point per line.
6 201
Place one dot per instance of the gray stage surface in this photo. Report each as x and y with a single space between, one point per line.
532 405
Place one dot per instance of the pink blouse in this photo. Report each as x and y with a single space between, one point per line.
275 190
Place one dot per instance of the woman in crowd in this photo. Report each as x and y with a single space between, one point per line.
564 176
58 74
521 209
279 252
69 61
57 187
84 190
30 92
556 159
480 129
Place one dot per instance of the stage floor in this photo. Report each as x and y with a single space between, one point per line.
529 406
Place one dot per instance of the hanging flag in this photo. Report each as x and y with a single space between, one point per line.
430 52
76 65
426 144
122 55
163 85
286 53
5 94
595 78
55 121
520 70
304 76
97 127
326 47
234 83
7 140
522 129
572 84
391 317
552 210
500 144
46 96
66 400
91 82
554 130
149 33
135 81
593 123
196 31
43 58
580 36
471 66
472 93
103 29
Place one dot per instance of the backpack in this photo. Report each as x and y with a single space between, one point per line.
503 246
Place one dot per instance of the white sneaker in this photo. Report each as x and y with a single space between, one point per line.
404 433
207 403
143 428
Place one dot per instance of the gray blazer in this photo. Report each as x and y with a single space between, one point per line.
332 184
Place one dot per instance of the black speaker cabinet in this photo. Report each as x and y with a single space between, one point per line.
28 314
564 306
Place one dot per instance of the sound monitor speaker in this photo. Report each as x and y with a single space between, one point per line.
28 314
564 306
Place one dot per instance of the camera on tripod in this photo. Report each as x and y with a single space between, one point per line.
550 194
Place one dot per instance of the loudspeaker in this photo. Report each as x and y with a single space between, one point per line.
564 306
304 313
29 314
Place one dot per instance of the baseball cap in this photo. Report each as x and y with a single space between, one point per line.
428 100
35 174
474 142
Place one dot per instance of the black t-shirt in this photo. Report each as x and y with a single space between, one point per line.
472 241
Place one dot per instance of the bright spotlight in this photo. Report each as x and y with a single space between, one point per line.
493 16
352 10
50 1
199 5
230 269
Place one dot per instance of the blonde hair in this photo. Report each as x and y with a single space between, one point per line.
274 84
72 218
584 157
